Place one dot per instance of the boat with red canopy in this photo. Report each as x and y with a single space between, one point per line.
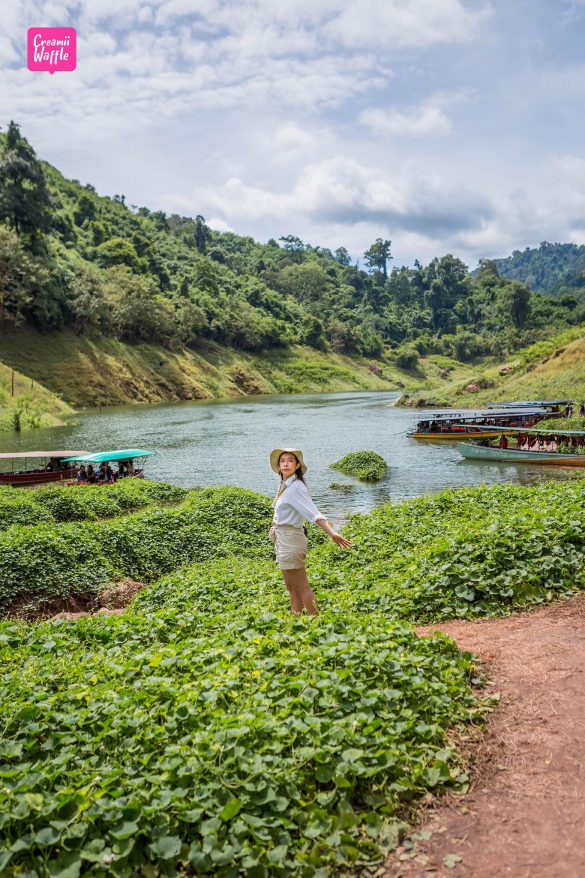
26 468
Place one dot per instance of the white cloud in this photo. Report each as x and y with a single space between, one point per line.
400 23
342 191
219 225
427 121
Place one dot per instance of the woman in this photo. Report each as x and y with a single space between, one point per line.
292 505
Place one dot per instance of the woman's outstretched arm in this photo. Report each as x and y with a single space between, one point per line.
337 538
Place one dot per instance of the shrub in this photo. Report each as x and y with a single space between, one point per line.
20 508
40 564
365 465
407 357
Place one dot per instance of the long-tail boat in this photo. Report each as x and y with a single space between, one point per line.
477 424
542 447
123 457
29 468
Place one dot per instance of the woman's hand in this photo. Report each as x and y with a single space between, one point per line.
340 540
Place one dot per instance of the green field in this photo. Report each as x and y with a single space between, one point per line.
205 730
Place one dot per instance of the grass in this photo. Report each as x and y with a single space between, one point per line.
97 371
26 404
550 369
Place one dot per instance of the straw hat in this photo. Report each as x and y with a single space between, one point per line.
275 456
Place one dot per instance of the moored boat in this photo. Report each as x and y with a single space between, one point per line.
28 468
124 458
541 447
476 424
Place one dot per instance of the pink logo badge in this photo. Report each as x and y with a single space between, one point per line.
52 48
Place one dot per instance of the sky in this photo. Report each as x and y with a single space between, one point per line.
446 126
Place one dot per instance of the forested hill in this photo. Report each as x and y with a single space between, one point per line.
556 269
70 258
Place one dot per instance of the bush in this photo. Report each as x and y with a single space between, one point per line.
19 507
407 357
40 564
90 502
365 465
461 553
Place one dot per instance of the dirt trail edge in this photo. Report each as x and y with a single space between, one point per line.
524 814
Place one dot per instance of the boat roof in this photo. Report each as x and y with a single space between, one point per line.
23 455
529 402
550 431
105 456
482 413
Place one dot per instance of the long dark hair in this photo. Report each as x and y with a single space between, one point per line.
298 471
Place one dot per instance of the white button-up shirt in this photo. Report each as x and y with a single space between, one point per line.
294 505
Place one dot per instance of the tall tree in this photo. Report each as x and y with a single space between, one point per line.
24 198
376 258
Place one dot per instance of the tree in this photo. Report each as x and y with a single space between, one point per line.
376 258
24 198
515 300
202 234
85 209
89 306
15 280
118 251
342 256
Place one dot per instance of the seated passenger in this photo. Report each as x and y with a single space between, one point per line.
91 475
82 473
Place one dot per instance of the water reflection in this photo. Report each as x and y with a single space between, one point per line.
221 442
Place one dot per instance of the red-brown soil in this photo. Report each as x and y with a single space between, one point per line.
524 814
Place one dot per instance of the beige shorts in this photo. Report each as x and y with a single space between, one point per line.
290 546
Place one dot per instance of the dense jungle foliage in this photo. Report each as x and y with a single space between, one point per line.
69 257
206 731
556 269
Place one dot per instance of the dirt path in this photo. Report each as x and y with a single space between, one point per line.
524 815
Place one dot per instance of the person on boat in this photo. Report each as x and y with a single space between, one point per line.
122 469
82 473
91 475
106 473
503 441
292 505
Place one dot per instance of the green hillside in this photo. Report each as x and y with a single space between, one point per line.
104 371
551 369
26 404
556 269
75 262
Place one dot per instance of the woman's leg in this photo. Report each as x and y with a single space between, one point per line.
300 592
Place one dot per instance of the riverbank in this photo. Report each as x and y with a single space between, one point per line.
550 369
25 404
97 371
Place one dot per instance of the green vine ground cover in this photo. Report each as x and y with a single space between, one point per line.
205 731
365 465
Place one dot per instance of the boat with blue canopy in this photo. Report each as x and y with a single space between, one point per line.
124 458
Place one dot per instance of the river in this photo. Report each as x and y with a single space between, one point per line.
219 442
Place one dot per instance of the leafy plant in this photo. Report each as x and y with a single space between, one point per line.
365 465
